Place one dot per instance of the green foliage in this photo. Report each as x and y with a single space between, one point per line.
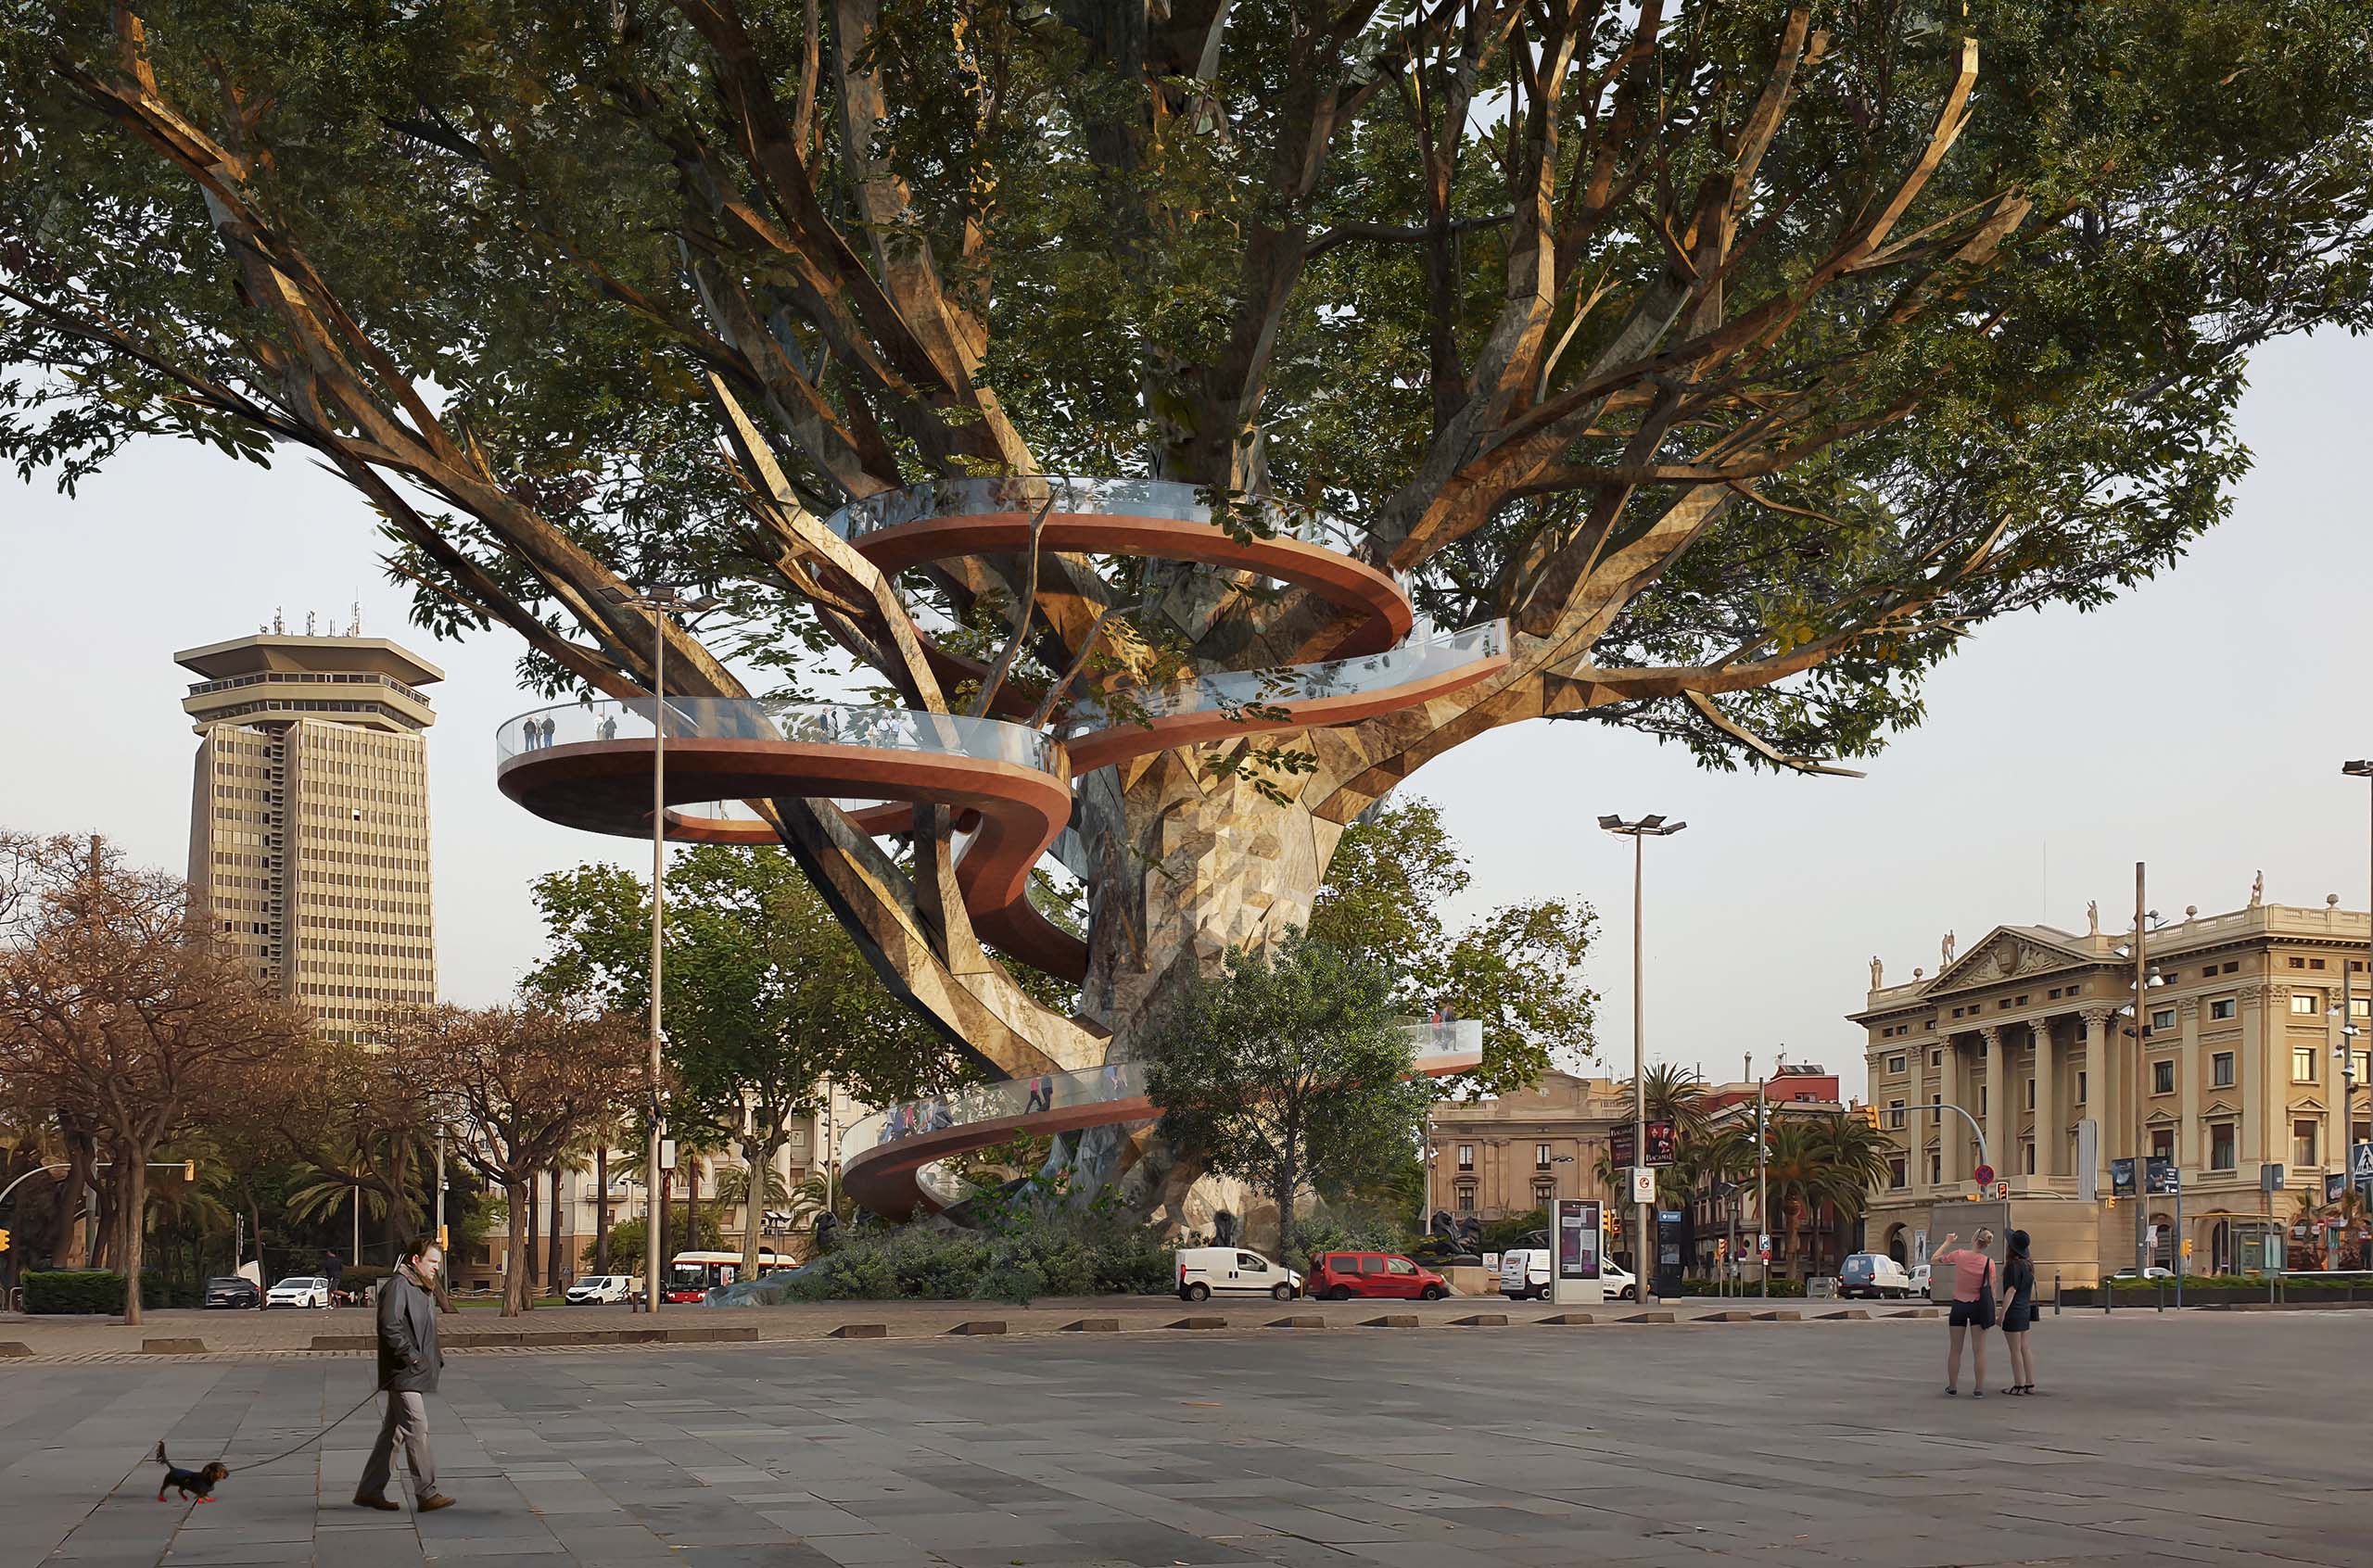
1337 1229
1518 969
1510 1230
765 990
1035 1244
1775 1287
626 1242
86 1291
1288 1071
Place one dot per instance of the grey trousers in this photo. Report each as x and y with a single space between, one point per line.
408 1417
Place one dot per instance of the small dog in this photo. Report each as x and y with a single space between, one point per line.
199 1483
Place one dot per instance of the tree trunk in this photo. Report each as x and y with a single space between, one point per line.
132 1203
534 1193
552 1258
1190 866
692 1200
602 1204
519 1193
66 1243
757 1168
666 1201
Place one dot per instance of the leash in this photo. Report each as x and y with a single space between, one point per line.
258 1464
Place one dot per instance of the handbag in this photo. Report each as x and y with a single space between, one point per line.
1985 1299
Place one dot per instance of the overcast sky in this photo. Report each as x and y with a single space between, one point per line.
2198 724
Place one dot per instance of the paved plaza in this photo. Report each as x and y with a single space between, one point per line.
2214 1437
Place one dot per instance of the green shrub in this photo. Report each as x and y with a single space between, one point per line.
87 1290
1036 1243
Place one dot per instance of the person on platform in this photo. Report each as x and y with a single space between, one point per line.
1974 1278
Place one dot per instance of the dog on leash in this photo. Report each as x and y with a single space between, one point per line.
189 1483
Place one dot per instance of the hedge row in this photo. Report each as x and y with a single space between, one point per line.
86 1291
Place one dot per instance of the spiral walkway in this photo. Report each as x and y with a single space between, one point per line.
890 1161
589 764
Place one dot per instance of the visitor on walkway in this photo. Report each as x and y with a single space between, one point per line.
409 1362
1974 1276
2019 1313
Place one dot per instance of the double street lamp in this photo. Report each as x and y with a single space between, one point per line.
662 602
1646 828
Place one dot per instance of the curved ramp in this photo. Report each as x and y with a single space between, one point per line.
887 1159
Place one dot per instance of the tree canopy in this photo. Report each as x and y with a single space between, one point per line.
1517 969
1744 357
1289 1071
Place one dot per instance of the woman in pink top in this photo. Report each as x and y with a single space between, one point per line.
1974 1274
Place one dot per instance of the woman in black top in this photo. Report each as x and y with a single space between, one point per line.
2019 1313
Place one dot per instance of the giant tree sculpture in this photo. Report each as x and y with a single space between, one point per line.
1743 357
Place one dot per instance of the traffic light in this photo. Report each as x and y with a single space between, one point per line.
189 1169
1614 1222
4 1241
1871 1115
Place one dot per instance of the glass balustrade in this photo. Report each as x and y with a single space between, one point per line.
1233 690
1167 498
735 718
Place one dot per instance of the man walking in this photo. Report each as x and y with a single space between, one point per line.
409 1362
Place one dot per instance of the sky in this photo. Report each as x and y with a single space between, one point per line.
2197 724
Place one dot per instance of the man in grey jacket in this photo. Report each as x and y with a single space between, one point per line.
409 1362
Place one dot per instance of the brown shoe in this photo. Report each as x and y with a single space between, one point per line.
365 1499
434 1501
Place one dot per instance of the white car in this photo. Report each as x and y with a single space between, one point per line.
1206 1272
1524 1276
596 1289
1919 1277
299 1290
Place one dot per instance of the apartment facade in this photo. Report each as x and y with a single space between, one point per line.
1510 1154
309 845
2235 1072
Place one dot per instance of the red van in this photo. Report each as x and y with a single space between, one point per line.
1339 1276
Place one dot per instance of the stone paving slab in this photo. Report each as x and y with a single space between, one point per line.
348 1332
2216 1438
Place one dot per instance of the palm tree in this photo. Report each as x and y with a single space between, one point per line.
732 1190
1856 1156
808 1201
1797 1177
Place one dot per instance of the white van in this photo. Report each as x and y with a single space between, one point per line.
1524 1276
1206 1272
597 1288
1874 1274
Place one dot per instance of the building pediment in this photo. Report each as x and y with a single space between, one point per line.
2221 1107
2007 952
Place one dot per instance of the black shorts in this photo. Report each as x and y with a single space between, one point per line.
1970 1314
2018 1320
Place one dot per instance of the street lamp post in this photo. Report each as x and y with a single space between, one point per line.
1645 827
661 602
2361 768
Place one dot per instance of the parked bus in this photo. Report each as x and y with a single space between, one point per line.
691 1275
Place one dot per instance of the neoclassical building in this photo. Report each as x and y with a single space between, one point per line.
2235 1071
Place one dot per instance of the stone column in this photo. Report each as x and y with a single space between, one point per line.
2092 1060
2254 1077
1915 1122
2048 1131
2001 1118
1952 1134
2188 1150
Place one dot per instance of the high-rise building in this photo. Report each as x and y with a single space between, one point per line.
308 817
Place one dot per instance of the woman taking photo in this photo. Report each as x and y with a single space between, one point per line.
2019 1313
1974 1276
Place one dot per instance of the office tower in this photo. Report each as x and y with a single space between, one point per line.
308 817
